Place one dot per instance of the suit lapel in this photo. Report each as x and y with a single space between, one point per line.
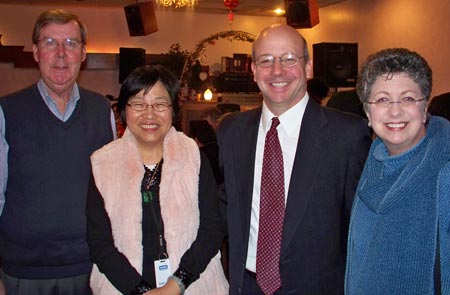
305 170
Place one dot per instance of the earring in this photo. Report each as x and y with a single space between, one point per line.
369 124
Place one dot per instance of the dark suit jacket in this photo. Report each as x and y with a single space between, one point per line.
331 152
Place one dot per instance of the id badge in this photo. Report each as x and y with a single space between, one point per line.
162 272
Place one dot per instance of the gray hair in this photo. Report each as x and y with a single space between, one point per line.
57 16
394 61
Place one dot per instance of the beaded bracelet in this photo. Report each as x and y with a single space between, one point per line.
179 283
141 288
185 276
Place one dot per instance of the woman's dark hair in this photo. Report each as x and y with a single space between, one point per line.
394 61
144 78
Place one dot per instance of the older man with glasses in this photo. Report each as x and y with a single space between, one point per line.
48 132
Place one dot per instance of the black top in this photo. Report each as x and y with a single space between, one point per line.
116 266
211 151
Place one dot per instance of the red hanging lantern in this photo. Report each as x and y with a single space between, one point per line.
231 4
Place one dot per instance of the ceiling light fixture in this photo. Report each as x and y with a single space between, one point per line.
177 3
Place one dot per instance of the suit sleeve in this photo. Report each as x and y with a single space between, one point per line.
222 196
3 161
358 154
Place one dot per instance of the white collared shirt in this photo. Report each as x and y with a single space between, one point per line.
288 133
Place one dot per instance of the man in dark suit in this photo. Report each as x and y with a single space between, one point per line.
323 153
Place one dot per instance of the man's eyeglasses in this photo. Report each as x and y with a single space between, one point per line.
386 102
51 43
141 106
286 60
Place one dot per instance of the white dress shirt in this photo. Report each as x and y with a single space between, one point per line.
288 133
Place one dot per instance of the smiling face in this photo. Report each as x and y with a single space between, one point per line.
149 126
59 66
400 126
282 86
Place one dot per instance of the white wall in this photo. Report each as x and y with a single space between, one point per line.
420 25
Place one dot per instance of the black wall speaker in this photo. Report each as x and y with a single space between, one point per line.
301 13
129 59
337 63
141 18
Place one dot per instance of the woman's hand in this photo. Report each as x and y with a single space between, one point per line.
170 288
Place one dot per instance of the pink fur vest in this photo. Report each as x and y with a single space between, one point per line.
118 172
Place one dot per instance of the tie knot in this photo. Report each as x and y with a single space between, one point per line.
275 123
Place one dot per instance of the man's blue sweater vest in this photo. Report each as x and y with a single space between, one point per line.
43 225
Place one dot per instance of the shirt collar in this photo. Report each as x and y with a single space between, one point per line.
49 100
290 120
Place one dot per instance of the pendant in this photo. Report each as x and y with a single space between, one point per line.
147 196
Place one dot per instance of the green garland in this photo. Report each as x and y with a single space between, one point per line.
229 35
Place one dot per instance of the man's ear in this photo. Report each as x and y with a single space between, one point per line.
35 53
309 69
83 58
253 70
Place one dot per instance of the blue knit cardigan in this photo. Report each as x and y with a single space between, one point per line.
393 227
444 226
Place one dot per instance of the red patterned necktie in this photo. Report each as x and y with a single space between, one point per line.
271 214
